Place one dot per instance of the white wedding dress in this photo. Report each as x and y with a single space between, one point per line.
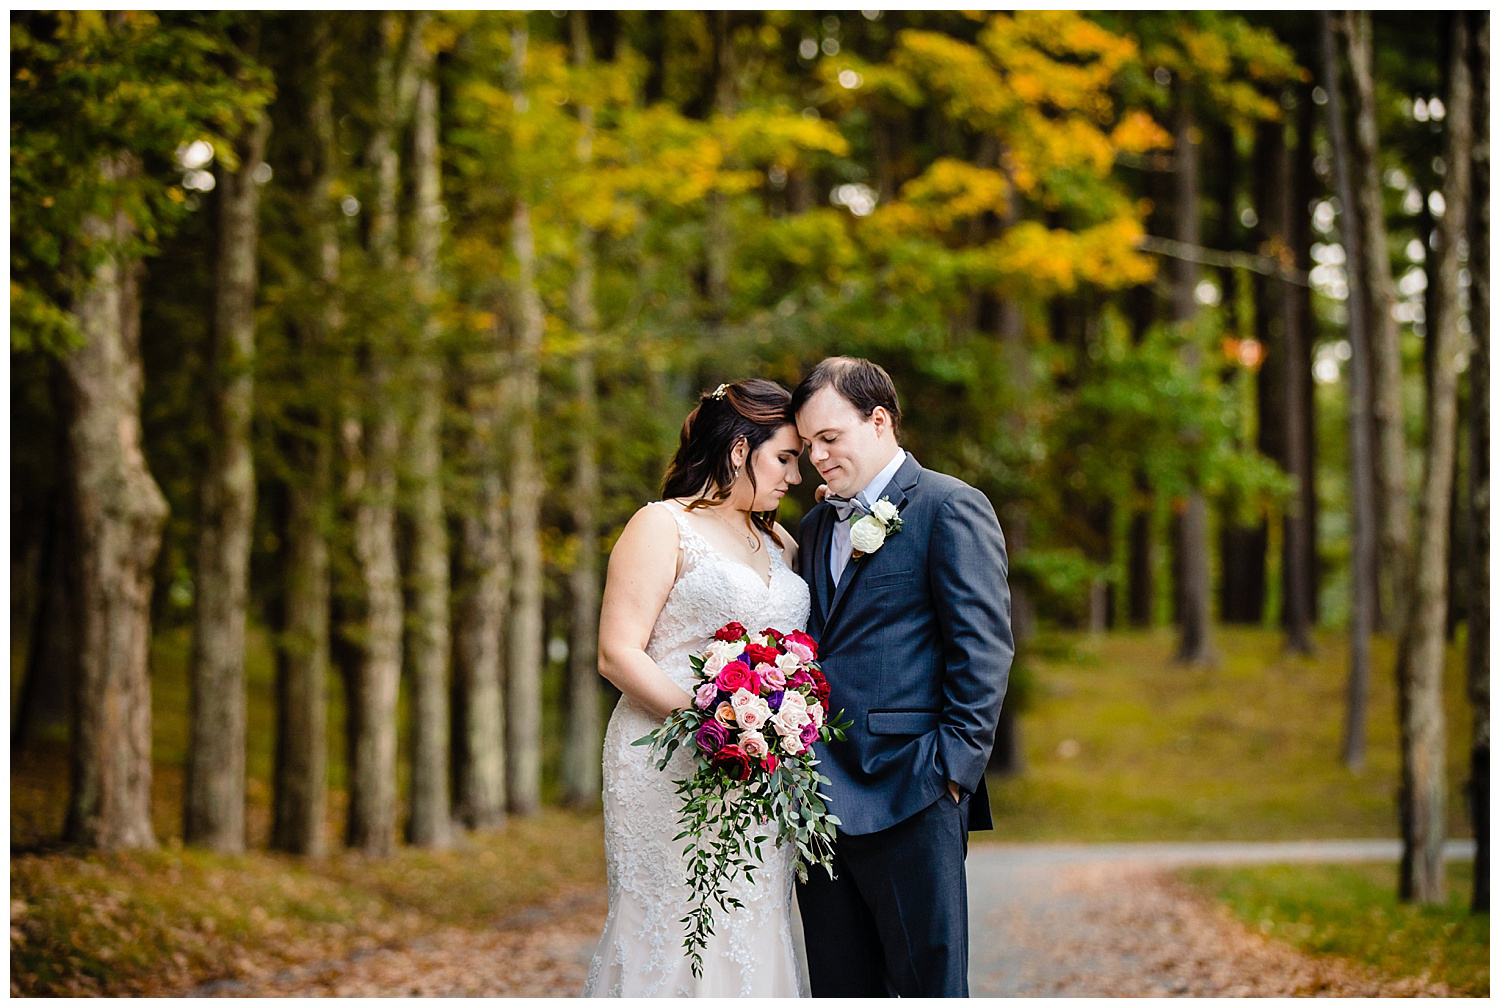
751 952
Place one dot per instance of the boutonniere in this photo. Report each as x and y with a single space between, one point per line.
870 532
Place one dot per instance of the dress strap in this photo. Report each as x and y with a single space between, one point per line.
689 539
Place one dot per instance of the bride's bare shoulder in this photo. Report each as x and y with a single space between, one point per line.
653 525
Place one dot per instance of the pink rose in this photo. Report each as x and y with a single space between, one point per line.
803 642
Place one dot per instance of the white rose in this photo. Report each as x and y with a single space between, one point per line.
884 510
718 654
815 711
754 744
749 710
789 721
867 535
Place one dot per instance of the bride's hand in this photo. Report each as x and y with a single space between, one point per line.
820 493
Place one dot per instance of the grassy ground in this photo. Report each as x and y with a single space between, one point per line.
1121 744
162 922
1351 911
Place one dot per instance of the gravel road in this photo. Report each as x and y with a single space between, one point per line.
1097 920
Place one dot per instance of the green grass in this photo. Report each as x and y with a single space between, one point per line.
1121 744
1351 911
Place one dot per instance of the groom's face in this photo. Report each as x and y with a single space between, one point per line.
847 450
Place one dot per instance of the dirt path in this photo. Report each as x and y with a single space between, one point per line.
1048 921
1108 921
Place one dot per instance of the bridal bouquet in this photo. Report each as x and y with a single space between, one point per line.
760 705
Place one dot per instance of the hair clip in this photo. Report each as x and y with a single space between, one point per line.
718 393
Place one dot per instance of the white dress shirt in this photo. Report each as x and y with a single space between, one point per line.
838 556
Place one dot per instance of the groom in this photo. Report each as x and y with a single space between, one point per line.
912 616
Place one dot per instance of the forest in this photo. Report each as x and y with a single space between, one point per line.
364 333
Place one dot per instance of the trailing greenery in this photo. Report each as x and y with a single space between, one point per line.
1351 911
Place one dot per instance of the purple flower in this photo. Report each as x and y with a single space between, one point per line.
773 700
809 733
711 736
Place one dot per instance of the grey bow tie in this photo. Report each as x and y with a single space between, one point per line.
846 506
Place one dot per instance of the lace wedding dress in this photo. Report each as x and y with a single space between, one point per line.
750 953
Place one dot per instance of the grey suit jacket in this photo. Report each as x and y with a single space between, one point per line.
915 641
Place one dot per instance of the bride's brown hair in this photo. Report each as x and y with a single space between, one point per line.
754 409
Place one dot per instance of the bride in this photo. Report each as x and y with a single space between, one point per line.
707 554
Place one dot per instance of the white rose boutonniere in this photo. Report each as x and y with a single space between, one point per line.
870 532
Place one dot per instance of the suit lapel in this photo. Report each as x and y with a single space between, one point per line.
905 479
817 555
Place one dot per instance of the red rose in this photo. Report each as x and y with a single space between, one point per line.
733 761
737 675
805 641
775 635
730 632
820 686
758 653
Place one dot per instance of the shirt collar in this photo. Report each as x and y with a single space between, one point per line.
872 492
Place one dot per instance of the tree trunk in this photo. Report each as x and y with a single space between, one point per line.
1419 667
214 796
1298 549
482 603
300 789
525 692
372 793
118 512
1478 652
1195 646
1304 188
1388 428
582 753
1361 475
431 812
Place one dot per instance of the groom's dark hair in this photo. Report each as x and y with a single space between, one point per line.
863 383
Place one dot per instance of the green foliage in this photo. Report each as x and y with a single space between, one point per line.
90 86
1351 911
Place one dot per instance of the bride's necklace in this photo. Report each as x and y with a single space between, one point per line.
749 539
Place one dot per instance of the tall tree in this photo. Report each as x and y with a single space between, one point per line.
118 511
431 813
1419 662
91 190
1379 292
524 696
1298 546
214 795
1478 649
1195 618
1361 474
300 775
581 766
372 794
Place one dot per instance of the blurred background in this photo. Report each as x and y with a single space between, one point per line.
343 345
